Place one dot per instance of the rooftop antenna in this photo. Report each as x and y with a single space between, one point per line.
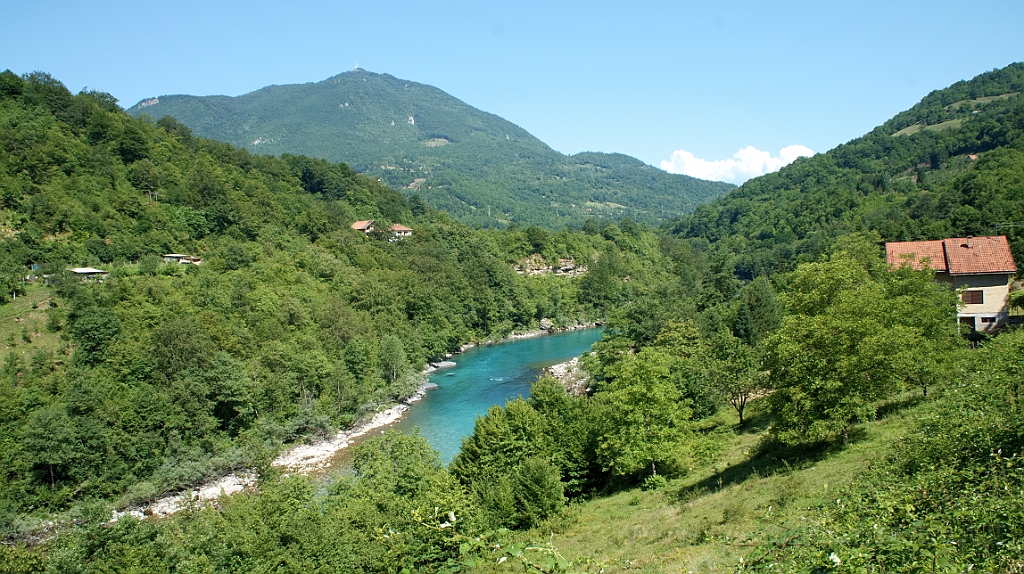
356 67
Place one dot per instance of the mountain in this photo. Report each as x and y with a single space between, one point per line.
475 165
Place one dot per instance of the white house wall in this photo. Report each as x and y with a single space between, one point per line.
995 305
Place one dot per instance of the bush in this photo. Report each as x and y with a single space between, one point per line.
654 482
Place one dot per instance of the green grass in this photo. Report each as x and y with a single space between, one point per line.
946 125
984 100
23 325
909 130
706 521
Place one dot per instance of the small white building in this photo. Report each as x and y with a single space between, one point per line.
181 259
90 274
400 230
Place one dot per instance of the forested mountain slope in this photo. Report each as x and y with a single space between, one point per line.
952 165
293 325
475 165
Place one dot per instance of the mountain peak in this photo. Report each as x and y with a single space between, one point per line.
476 165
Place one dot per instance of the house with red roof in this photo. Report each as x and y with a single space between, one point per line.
400 230
366 226
979 268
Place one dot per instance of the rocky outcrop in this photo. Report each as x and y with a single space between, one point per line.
547 326
537 265
572 375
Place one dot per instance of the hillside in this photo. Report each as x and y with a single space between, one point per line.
475 165
161 375
948 167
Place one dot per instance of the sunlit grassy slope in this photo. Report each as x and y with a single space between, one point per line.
23 325
752 492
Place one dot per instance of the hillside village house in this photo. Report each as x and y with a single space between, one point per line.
400 230
89 274
181 259
980 268
366 226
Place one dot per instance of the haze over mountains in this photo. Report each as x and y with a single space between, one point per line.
475 165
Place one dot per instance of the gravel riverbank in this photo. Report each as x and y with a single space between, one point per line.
316 457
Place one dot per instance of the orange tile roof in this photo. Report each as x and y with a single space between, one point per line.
362 225
972 256
400 227
902 253
957 255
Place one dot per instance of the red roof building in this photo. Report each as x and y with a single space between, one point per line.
365 225
400 230
979 268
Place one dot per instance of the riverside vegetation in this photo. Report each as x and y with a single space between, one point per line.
764 400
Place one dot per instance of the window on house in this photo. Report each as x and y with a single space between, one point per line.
967 322
988 319
973 297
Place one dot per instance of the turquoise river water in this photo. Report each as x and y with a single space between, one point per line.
484 377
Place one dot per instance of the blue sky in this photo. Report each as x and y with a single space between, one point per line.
692 82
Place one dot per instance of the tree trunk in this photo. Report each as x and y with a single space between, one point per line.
846 436
654 469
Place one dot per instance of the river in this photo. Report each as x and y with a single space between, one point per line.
484 377
487 376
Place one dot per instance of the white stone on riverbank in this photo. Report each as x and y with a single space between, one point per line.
301 459
572 375
547 327
308 458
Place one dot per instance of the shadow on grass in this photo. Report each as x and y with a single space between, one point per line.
770 457
756 422
889 408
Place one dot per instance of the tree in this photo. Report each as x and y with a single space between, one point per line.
50 438
848 343
361 359
501 439
1017 300
738 376
602 285
392 358
694 366
92 329
538 490
396 462
645 416
574 425
11 277
759 313
181 344
537 238
144 177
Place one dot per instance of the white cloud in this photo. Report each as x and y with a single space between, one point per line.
747 163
